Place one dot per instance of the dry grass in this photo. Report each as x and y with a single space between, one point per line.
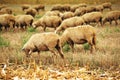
106 56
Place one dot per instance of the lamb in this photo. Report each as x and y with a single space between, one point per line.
71 22
110 16
31 11
24 20
47 41
107 5
47 21
7 21
67 15
92 17
79 35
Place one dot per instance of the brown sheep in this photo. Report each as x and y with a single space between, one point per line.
110 16
47 41
90 9
93 17
79 35
71 22
6 10
67 15
31 11
47 21
57 7
107 5
24 21
25 6
39 7
7 21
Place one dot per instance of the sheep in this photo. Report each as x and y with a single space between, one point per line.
66 7
70 22
57 7
25 6
67 15
73 8
99 8
7 21
80 11
39 7
46 41
79 35
6 10
52 13
92 17
90 9
23 20
31 11
110 16
107 5
47 21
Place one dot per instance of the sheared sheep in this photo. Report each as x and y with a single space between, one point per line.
47 21
24 21
67 15
31 11
7 21
47 41
110 16
70 22
92 17
79 35
107 5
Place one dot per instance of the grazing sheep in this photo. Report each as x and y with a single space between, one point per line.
52 13
79 35
23 20
73 8
71 22
107 5
7 21
47 21
31 11
6 10
25 6
57 7
43 42
67 15
110 16
66 7
39 7
92 17
99 8
80 11
90 9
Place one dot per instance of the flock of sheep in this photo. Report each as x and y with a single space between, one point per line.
73 21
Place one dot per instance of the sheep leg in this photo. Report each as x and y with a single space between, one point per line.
71 45
44 28
116 22
59 49
90 41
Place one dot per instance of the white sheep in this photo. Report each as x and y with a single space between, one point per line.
79 35
43 42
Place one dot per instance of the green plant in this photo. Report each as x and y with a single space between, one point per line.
31 29
4 42
86 46
66 47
